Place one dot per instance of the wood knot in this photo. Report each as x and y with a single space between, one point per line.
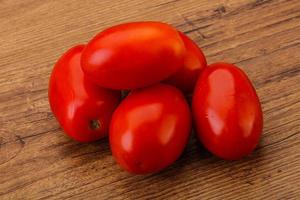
220 10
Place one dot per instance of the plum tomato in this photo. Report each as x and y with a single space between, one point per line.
194 62
150 128
133 55
83 109
227 111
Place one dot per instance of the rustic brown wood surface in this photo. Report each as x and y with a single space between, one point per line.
37 161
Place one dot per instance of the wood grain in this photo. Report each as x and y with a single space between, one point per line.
38 162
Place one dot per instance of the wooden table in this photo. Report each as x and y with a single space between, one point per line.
37 161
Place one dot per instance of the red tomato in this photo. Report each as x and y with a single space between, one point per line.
133 55
227 111
82 109
150 129
194 62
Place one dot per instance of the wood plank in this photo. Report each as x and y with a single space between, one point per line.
38 162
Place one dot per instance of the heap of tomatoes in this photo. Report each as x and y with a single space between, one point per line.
157 66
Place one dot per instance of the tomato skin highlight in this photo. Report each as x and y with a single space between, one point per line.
150 128
194 62
227 111
133 55
83 109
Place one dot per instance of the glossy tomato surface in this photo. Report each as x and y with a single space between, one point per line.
83 109
150 129
227 111
133 55
194 62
